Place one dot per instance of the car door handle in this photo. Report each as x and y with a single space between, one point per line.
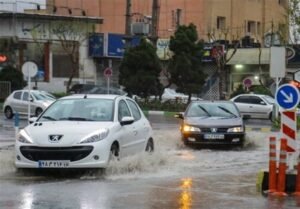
250 106
135 133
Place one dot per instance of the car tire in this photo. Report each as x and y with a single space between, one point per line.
114 152
271 116
38 111
8 112
150 146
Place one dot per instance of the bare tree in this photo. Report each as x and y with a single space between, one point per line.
71 35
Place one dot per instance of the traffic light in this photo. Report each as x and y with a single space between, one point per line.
3 58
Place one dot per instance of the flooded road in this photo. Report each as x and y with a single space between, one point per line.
174 176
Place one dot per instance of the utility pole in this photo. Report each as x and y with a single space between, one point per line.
128 18
155 20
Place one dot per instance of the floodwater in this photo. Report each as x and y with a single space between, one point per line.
174 177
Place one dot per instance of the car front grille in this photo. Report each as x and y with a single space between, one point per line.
56 153
214 130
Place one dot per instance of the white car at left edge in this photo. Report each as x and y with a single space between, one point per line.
84 131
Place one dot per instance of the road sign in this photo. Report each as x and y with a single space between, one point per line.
29 69
247 82
289 129
287 96
107 72
297 76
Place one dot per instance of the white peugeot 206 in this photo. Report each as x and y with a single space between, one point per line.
84 131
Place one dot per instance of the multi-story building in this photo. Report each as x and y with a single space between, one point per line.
215 19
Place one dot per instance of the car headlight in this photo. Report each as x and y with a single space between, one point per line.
95 137
188 128
23 137
236 129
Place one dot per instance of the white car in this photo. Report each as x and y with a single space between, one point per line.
171 95
84 131
17 102
255 105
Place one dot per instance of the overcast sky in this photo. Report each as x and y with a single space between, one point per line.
20 5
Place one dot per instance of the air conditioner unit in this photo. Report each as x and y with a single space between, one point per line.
140 28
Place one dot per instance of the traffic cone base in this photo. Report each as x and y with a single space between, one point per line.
296 194
279 194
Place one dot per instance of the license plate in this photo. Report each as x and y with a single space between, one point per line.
213 136
53 163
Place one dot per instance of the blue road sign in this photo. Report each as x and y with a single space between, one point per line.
287 96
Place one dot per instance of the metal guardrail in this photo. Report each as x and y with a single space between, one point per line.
5 89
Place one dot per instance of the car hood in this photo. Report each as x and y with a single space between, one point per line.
214 121
72 131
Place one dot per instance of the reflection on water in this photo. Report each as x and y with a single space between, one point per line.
186 194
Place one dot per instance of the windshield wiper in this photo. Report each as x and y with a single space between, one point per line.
204 110
76 119
228 111
48 118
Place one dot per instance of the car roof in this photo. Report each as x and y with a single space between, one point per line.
94 96
253 95
211 101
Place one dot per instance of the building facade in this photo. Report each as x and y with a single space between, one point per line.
215 19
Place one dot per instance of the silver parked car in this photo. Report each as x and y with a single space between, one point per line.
255 105
17 101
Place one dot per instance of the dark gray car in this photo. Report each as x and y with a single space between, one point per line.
212 123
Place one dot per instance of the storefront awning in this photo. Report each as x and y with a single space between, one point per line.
249 56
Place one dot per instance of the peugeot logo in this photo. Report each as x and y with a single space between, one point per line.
55 138
214 130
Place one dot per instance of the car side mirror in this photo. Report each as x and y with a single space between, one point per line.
126 120
178 115
32 120
262 103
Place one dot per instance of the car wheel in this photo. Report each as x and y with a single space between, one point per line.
114 152
38 111
8 112
150 145
271 116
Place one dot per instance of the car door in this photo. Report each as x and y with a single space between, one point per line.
16 102
141 127
242 102
128 133
24 104
258 107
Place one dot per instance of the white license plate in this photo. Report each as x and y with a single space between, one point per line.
53 163
214 136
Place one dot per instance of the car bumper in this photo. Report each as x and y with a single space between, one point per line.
35 156
218 139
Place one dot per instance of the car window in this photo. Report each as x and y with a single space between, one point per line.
135 110
256 100
17 95
242 99
123 110
25 96
80 110
212 109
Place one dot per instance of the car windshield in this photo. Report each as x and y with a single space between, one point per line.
43 96
80 110
212 109
269 99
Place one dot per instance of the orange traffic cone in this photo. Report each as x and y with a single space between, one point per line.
272 166
282 170
297 189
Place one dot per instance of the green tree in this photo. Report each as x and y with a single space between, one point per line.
13 75
140 69
185 66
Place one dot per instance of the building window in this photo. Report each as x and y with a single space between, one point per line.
221 23
258 28
62 65
251 27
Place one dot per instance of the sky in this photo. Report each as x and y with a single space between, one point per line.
20 5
